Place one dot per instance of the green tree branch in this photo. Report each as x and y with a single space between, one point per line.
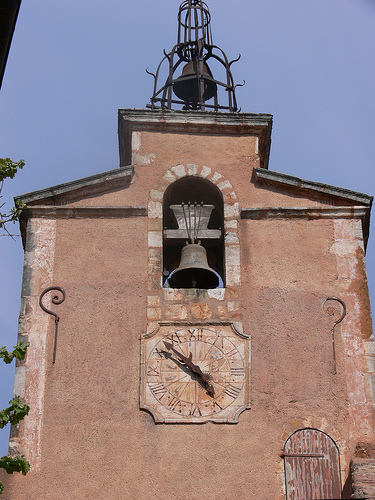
14 413
17 410
15 464
8 169
19 352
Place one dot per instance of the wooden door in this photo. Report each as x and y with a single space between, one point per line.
311 466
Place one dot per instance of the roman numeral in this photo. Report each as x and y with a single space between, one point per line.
232 391
173 403
174 338
216 407
237 372
151 371
195 411
195 334
158 390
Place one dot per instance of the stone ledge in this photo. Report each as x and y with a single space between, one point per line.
201 118
303 213
59 212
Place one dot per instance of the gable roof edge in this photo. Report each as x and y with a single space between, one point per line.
317 187
123 175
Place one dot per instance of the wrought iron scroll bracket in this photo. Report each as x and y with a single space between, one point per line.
240 84
150 73
234 60
56 299
331 311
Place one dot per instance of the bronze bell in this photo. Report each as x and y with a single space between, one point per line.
193 271
186 87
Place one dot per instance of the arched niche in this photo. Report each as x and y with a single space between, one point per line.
194 193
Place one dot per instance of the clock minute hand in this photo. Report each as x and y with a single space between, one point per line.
183 358
194 368
187 361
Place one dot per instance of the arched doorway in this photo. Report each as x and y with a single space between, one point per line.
312 468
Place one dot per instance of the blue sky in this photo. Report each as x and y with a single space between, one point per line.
72 64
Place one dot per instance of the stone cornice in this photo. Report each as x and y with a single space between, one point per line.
60 212
195 118
345 212
193 122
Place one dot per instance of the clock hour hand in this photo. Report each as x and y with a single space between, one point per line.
187 361
193 367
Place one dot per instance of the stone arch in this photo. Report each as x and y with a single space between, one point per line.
155 221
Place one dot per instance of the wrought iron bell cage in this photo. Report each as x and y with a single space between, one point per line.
196 85
194 22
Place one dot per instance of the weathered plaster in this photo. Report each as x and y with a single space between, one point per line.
348 251
287 266
36 325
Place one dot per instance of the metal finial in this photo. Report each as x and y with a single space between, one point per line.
194 22
196 85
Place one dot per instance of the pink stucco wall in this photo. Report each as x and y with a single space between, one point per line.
93 440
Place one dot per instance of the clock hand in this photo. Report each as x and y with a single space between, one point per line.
187 361
193 367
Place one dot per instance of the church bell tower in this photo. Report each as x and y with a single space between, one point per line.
199 325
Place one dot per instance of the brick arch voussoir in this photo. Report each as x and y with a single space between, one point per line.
201 172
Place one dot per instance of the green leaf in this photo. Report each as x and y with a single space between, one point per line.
7 357
20 349
14 413
4 418
19 352
8 168
15 464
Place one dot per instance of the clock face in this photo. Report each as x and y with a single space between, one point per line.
195 374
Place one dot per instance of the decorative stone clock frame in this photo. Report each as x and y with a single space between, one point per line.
195 373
